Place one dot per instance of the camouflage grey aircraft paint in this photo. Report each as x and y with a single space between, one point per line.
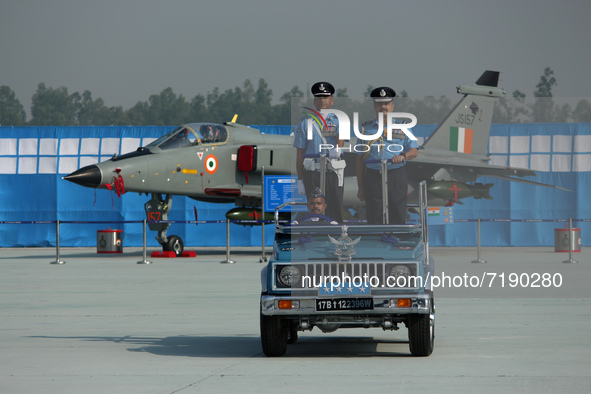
222 163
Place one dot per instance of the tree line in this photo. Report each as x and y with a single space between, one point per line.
58 107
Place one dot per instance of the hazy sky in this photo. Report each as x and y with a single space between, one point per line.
125 50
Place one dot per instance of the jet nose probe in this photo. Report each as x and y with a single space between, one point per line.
89 176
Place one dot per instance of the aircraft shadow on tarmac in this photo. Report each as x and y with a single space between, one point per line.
249 346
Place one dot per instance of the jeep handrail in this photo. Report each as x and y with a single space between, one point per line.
423 226
278 208
423 215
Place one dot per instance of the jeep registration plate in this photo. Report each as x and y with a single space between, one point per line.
344 304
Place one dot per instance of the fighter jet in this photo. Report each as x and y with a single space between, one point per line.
456 153
222 163
209 162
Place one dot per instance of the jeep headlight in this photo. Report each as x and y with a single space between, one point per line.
289 275
398 271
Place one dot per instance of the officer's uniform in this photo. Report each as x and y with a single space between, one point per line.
321 135
381 148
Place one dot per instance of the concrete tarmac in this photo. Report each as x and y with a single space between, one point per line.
101 323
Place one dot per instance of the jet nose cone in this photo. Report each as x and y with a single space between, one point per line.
89 176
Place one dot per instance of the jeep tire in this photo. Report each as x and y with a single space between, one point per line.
421 333
274 331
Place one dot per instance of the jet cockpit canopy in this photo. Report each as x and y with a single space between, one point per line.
192 134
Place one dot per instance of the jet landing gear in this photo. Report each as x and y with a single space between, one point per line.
157 209
174 244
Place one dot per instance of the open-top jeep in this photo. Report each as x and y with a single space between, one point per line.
349 276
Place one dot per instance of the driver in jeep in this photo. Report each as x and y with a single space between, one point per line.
316 207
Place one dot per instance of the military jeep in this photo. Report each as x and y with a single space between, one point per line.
348 276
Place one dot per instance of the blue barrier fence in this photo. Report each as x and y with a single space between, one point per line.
34 159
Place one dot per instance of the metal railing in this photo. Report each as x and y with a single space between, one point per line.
58 223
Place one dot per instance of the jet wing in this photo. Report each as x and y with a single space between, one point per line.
467 169
529 182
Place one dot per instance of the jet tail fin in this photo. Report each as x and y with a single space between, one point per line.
467 127
489 78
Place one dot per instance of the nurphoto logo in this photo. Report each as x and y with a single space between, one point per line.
345 124
345 129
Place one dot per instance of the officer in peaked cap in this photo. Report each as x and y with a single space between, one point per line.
397 151
320 89
308 169
383 94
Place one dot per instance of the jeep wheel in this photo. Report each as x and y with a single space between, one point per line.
273 335
421 333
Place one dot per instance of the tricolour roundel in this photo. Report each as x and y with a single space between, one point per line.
211 164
